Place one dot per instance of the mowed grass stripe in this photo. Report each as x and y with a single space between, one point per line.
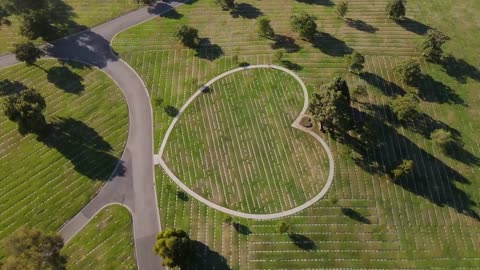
106 242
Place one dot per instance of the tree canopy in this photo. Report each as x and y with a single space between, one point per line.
27 52
174 246
402 169
405 107
26 108
341 9
32 249
305 25
188 36
264 28
396 9
226 4
331 105
431 47
355 62
409 71
282 227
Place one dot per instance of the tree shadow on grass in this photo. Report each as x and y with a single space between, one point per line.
63 78
414 26
432 90
457 151
170 111
205 258
207 50
8 87
290 65
286 43
83 146
172 14
327 3
361 25
246 11
431 178
330 45
387 87
459 69
302 241
424 125
349 212
241 229
182 195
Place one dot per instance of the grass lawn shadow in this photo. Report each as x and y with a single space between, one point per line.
349 212
331 45
414 26
205 258
83 146
302 241
387 87
286 43
65 79
8 87
459 69
246 11
436 185
361 25
327 3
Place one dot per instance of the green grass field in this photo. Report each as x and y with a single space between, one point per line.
46 180
235 145
429 220
106 242
76 13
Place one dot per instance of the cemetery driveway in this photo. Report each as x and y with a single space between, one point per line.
132 183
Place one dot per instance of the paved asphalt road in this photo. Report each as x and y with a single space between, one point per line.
132 184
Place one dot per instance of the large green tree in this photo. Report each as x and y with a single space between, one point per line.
305 25
331 105
264 28
25 108
188 36
431 47
27 52
31 249
396 9
174 246
405 107
409 72
226 4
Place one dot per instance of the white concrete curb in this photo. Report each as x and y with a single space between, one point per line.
296 124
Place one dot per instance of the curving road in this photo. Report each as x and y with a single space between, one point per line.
296 124
132 183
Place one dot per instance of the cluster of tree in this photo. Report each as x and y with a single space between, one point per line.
305 25
174 246
331 105
396 9
25 108
33 249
